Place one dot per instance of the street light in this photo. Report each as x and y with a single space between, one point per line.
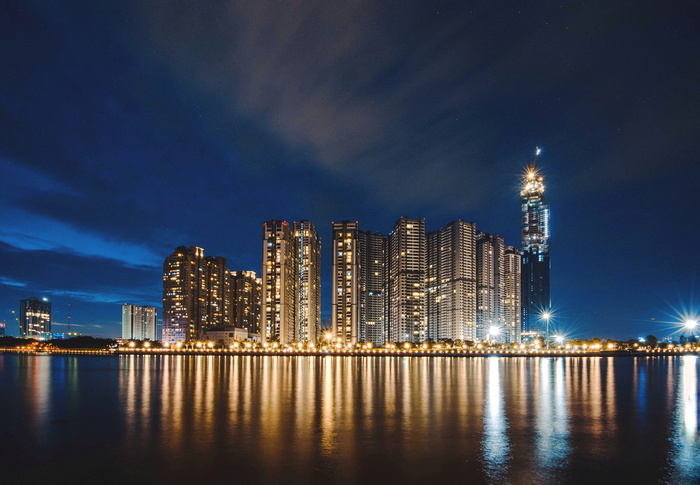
690 324
546 316
493 333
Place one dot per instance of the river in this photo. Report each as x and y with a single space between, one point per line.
324 419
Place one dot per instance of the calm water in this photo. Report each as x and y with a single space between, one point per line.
206 419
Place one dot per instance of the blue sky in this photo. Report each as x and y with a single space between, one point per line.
131 128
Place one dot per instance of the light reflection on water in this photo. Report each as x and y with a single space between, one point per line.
354 419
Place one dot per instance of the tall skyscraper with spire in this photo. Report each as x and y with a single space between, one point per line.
536 299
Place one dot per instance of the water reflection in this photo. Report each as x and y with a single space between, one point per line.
551 442
687 447
328 419
495 444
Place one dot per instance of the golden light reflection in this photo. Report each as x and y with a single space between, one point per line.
687 448
495 443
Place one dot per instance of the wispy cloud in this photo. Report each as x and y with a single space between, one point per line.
33 232
103 295
11 282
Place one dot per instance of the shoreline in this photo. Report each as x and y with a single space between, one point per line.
359 353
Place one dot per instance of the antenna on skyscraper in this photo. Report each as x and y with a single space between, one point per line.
534 159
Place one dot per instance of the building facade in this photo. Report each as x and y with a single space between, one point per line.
291 283
406 276
489 287
535 266
246 299
511 295
35 318
372 256
196 294
308 320
139 322
279 276
345 303
451 282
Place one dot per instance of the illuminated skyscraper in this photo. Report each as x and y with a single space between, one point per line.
35 318
139 322
345 305
279 277
451 282
246 298
535 252
308 319
195 294
372 249
511 295
489 287
291 283
406 272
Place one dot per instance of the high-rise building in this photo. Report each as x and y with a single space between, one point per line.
451 282
279 279
511 295
535 287
2 329
345 304
246 298
489 287
35 318
406 267
139 322
372 257
195 294
308 320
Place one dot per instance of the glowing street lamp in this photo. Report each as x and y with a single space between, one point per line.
691 324
546 316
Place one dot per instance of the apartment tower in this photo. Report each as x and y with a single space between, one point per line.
511 295
489 287
451 282
406 267
279 277
139 322
372 249
35 318
196 294
345 304
308 244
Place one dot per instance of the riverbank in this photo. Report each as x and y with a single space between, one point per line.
362 353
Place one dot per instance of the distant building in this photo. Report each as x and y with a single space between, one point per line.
2 329
139 322
406 272
35 318
372 267
535 266
511 295
489 287
451 282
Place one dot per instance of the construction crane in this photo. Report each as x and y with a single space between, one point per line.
19 324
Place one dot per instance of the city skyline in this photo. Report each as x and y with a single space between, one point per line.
190 126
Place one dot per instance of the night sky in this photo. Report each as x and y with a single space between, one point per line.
130 128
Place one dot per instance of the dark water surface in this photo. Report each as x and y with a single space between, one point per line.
267 419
